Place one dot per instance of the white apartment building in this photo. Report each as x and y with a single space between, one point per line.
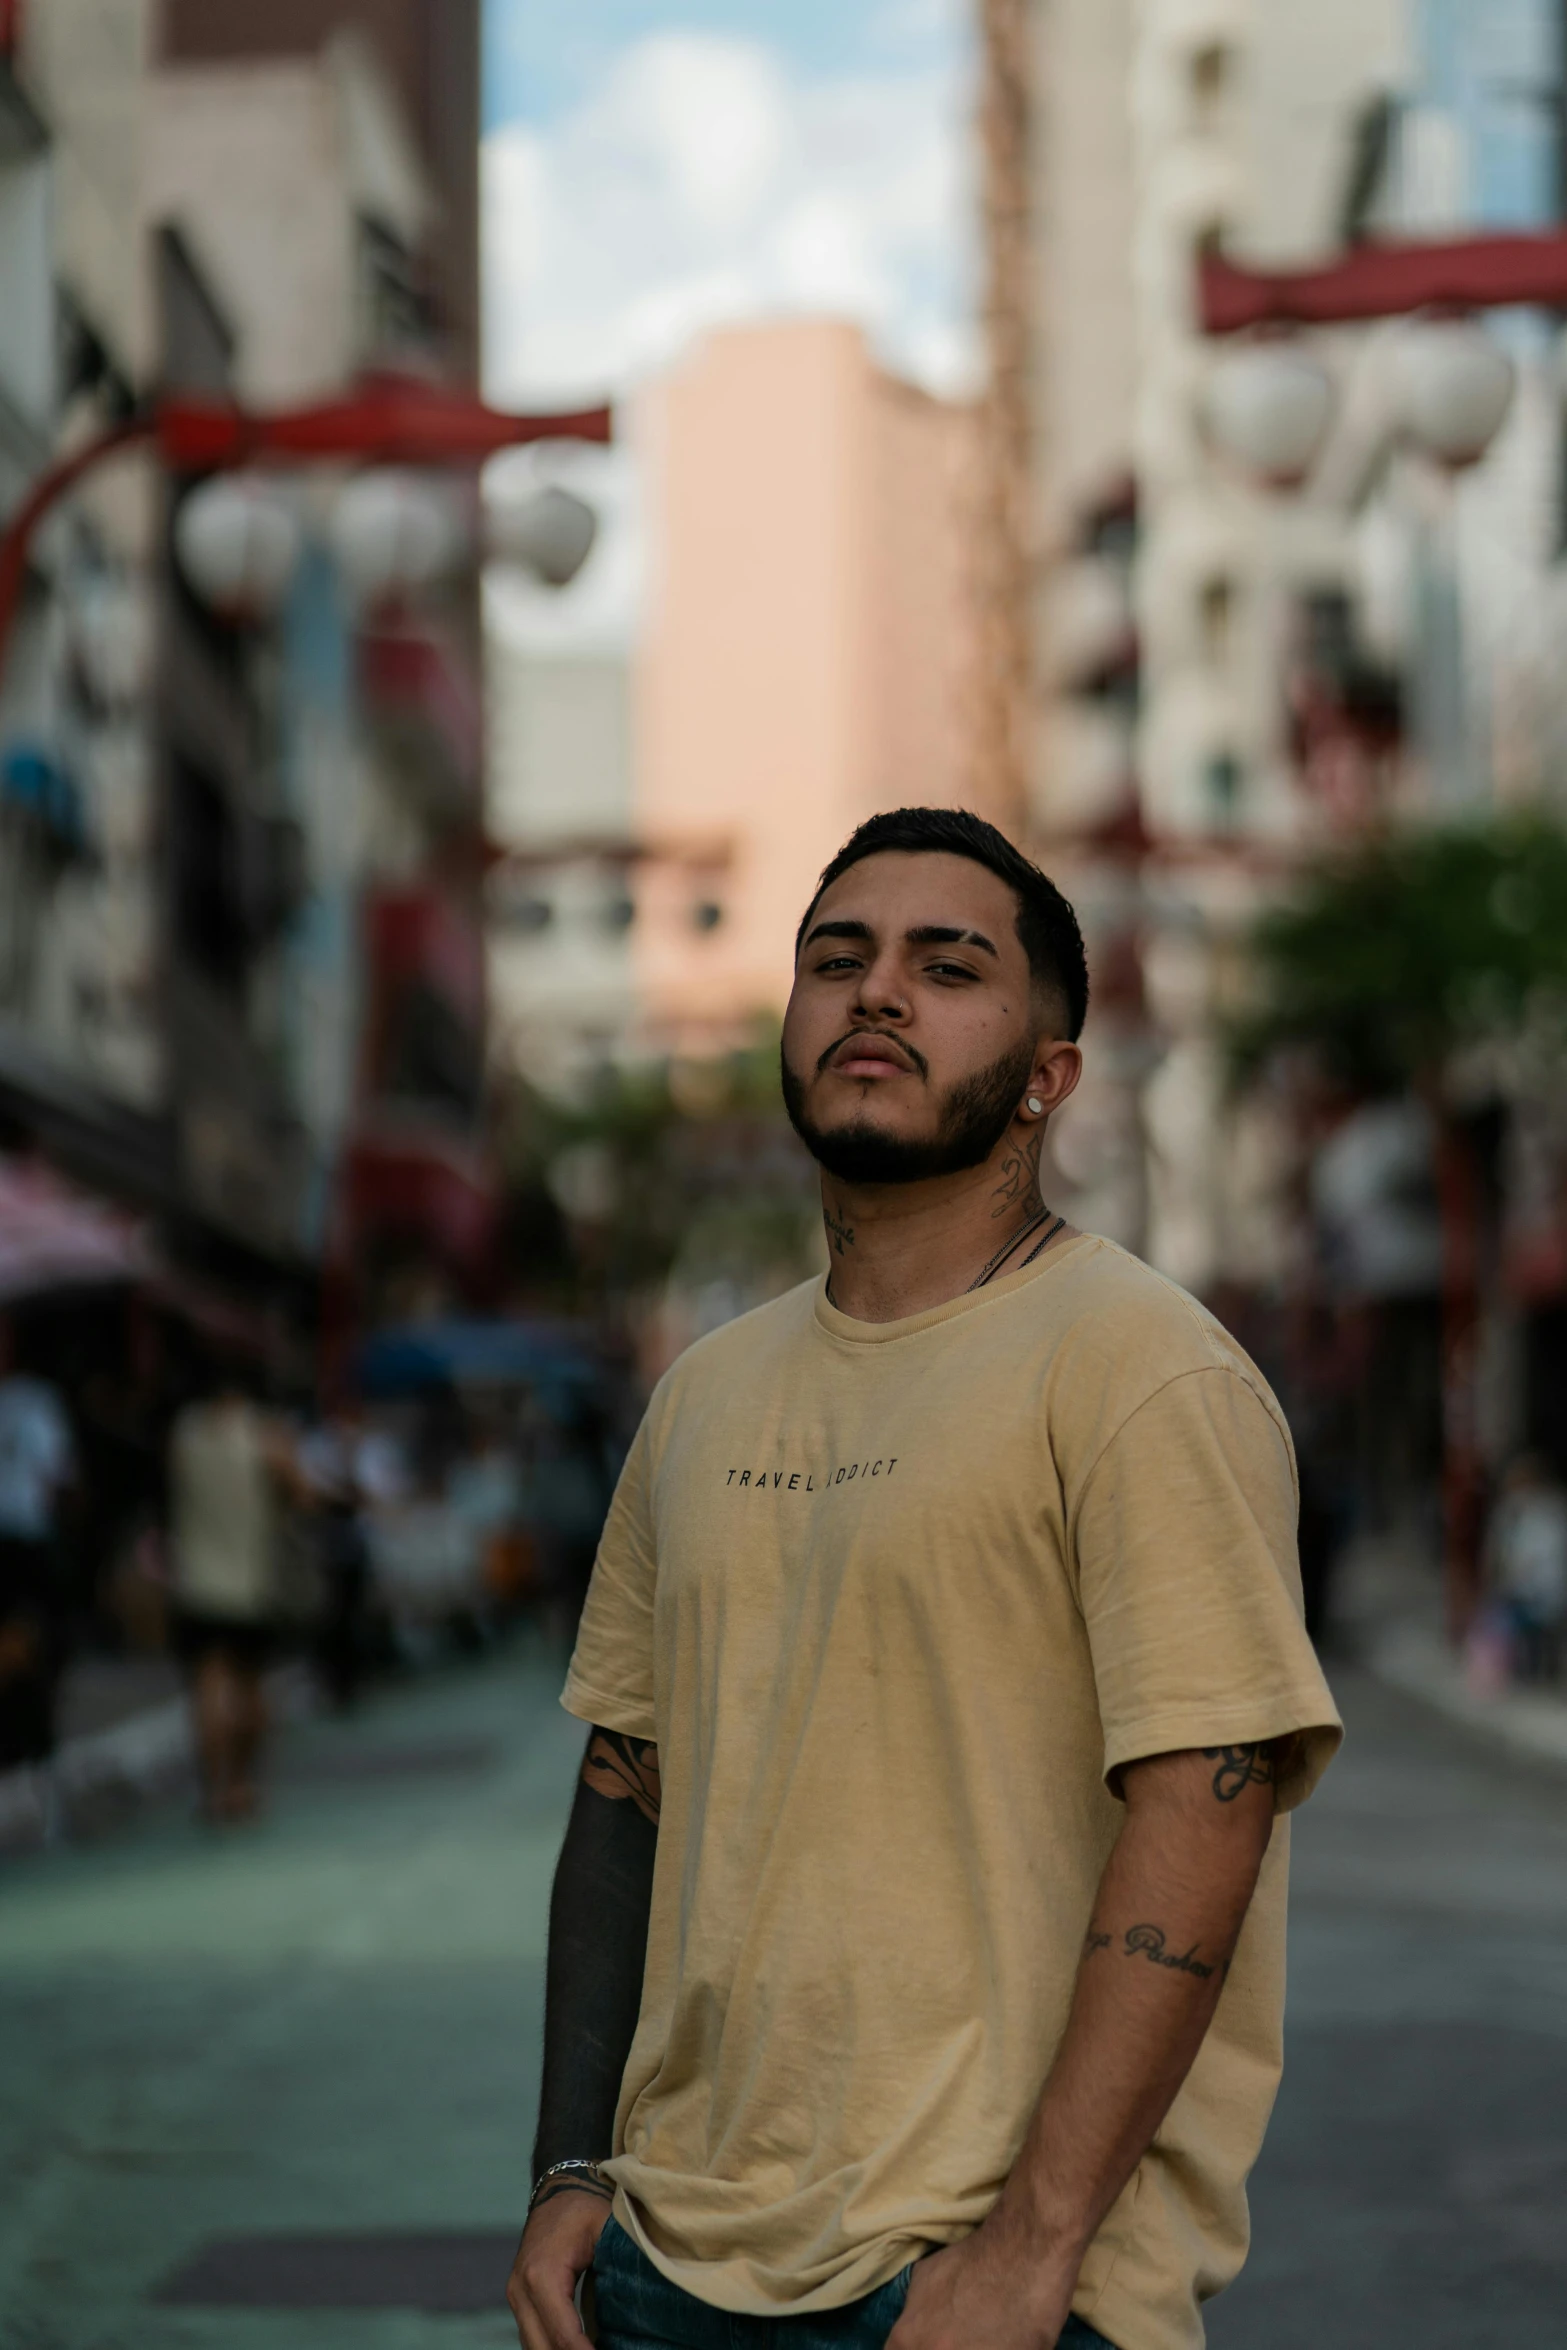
1166 782
78 884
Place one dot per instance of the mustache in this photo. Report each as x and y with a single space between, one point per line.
901 1042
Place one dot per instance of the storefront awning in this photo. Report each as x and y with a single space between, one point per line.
55 1237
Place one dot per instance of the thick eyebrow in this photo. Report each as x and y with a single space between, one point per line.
933 934
928 934
836 930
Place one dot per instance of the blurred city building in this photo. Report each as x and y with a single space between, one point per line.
429 53
81 1045
1299 588
1165 775
241 821
801 654
809 648
561 803
327 159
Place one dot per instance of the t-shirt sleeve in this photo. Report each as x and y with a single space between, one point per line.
1190 1586
610 1678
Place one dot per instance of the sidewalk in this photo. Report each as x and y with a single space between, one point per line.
125 1740
1390 1615
1417 1659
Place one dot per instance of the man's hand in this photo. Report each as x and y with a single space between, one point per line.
1169 1908
557 2246
996 2287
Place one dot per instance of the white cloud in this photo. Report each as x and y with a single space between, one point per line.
704 182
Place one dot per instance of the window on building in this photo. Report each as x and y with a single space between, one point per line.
530 916
27 372
1211 72
210 926
1223 780
1216 607
397 311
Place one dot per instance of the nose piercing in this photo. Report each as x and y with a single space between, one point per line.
1035 1104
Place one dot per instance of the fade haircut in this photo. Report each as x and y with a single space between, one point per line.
1047 928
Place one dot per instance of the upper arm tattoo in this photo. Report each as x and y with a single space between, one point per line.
625 1769
1241 1767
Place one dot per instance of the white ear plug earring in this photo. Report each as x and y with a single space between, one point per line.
1035 1104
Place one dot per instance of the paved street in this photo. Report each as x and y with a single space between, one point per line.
1413 2187
325 2029
327 2023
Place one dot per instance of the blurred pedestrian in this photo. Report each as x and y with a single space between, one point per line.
37 1466
571 1486
1526 1545
484 1490
230 1468
348 1469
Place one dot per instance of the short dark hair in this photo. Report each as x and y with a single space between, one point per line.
1046 925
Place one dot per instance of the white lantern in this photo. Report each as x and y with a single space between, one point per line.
1268 406
1452 388
395 532
552 533
238 541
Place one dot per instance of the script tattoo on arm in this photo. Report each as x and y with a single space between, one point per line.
1149 1942
840 1234
1019 1174
624 1769
1241 1767
1152 1943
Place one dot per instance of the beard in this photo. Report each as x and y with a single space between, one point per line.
973 1117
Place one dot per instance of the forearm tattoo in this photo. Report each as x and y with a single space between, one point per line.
1241 1767
625 1769
599 1911
1152 1943
575 2185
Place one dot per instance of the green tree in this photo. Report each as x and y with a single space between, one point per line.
1388 961
1386 966
684 1168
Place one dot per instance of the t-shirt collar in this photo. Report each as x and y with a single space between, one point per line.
845 1326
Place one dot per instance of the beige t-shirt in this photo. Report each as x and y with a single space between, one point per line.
894 1598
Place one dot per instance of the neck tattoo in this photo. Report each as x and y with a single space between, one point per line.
999 1259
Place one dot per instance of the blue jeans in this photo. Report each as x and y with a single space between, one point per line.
639 2309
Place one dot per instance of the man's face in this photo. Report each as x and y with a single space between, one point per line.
911 1032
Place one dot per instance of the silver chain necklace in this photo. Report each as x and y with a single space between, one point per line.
1001 1255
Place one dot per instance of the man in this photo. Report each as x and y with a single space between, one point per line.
916 1949
37 1468
230 1471
345 1469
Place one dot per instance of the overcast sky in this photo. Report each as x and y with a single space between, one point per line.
651 170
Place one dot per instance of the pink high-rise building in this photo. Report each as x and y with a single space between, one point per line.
806 653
